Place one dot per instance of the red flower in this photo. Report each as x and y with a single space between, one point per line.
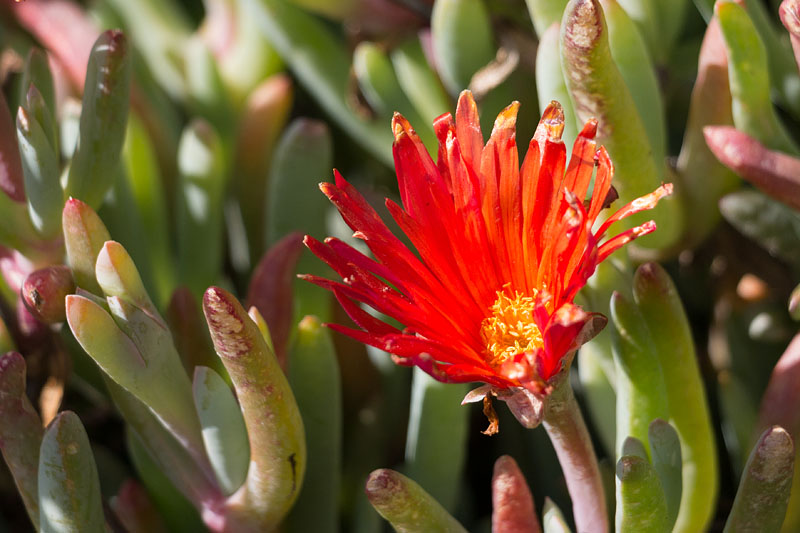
503 250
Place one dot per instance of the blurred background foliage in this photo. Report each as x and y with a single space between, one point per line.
196 137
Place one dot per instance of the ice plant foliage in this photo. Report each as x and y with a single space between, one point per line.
503 250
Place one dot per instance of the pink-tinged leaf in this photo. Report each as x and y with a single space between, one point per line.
11 182
189 332
20 432
263 119
764 489
790 16
782 396
84 235
271 290
64 29
14 267
513 510
775 173
135 510
379 17
274 426
706 180
44 291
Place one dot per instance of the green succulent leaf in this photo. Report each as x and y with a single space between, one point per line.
640 500
406 505
274 424
436 452
768 222
314 377
224 432
104 116
665 451
69 487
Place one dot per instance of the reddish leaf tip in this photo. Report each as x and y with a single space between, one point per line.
381 485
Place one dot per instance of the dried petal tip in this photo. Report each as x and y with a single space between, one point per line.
466 101
400 126
507 119
553 120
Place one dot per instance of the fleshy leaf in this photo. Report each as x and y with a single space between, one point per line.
263 118
271 293
40 166
69 487
314 377
103 117
665 451
662 311
641 390
135 510
302 158
20 432
544 13
774 173
462 41
322 65
274 424
749 78
771 224
84 235
435 452
763 494
224 433
553 520
705 179
418 80
599 91
640 500
406 506
200 223
11 179
189 333
513 510
44 290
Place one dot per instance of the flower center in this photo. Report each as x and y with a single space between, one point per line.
510 329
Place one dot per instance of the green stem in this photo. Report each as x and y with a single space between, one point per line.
567 430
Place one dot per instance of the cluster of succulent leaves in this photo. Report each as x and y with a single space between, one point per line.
144 169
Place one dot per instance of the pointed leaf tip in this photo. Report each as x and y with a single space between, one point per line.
513 509
583 23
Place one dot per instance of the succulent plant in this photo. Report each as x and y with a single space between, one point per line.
165 364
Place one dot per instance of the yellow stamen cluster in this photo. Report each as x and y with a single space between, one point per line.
510 329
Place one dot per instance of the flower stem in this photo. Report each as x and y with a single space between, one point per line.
567 430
